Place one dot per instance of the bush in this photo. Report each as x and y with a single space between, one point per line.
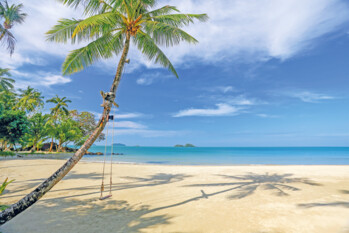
7 153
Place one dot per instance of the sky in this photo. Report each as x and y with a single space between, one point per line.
265 73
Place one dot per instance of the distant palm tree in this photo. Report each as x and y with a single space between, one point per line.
11 14
61 108
111 25
61 105
6 83
29 100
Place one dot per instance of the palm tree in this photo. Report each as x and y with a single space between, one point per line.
61 108
37 130
12 14
61 105
110 26
6 83
29 100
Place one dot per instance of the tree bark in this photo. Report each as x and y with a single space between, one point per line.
51 147
43 188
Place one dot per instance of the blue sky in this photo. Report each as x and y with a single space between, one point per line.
266 73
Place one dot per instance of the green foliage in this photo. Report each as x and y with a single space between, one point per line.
37 132
11 14
110 23
6 83
13 125
4 185
30 100
7 153
86 123
2 189
67 130
61 107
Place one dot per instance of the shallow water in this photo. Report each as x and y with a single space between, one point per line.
226 155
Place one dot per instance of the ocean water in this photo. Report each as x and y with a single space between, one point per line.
225 155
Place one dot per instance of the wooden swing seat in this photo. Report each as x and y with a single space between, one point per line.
105 197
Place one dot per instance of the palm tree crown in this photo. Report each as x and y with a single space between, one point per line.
30 100
11 14
6 83
112 23
61 105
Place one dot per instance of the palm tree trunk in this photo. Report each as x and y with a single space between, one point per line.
51 147
43 188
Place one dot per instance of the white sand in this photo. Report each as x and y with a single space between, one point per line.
159 198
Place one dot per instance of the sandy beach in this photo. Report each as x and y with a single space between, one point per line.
162 198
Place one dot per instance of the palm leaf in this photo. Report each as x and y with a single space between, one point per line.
166 34
103 47
148 47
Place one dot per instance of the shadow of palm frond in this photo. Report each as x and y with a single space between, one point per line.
90 215
248 184
328 204
135 182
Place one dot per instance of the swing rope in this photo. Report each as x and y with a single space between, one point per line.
112 152
105 155
111 159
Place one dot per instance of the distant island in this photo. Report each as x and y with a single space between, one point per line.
186 145
118 144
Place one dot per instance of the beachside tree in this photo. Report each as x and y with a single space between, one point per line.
87 124
30 100
61 105
6 83
37 132
13 126
60 109
11 15
110 27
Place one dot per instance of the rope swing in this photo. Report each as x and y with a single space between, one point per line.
110 117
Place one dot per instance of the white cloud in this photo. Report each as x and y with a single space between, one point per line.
41 79
310 97
237 29
134 128
258 29
147 133
129 124
221 110
263 115
129 115
148 79
222 89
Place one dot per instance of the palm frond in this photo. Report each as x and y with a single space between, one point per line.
103 47
109 19
8 40
148 47
161 11
166 34
63 31
180 20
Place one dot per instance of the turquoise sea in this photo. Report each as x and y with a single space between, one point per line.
226 155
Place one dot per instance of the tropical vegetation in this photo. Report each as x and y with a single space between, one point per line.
109 28
9 16
23 125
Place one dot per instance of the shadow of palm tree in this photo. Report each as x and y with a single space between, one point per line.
248 184
90 215
327 204
135 182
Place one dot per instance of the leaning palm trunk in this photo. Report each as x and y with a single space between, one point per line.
43 188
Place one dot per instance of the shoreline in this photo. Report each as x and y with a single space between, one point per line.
64 156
